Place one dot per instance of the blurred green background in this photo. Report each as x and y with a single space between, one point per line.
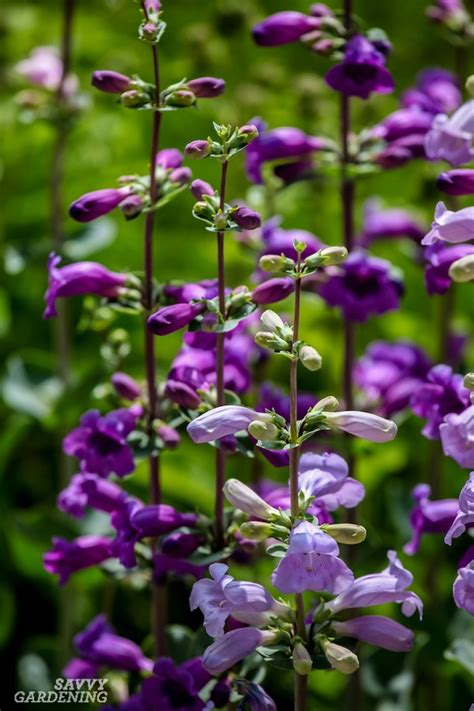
285 87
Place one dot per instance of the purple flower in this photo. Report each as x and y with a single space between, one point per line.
99 644
453 227
79 279
111 82
362 70
457 437
175 688
169 158
463 589
78 668
439 258
464 517
362 424
181 176
290 146
123 545
459 181
172 318
42 68
198 149
125 386
283 28
377 630
388 373
199 188
441 394
89 490
220 422
233 647
100 442
379 224
437 91
158 519
68 557
246 219
379 588
428 516
325 476
273 290
255 696
164 564
97 203
362 286
311 563
206 87
402 123
223 596
272 398
180 544
450 138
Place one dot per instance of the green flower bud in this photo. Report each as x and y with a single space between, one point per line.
462 270
220 221
340 658
347 533
256 530
271 320
265 431
265 339
302 662
468 381
327 403
203 210
470 85
310 358
275 263
182 98
133 99
333 255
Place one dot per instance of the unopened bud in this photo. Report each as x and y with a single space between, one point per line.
274 263
249 132
468 381
198 149
470 85
348 533
334 255
244 498
133 99
265 431
256 530
271 320
340 658
302 662
220 221
202 209
181 98
310 358
462 270
327 403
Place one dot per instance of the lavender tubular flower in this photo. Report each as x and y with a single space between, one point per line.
465 514
67 557
97 203
174 687
206 87
377 630
125 386
283 28
90 490
429 516
463 589
451 139
457 437
362 424
220 422
449 226
172 318
442 394
169 158
233 647
440 258
110 82
456 182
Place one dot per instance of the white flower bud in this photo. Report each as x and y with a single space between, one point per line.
245 499
271 321
334 255
327 403
468 381
302 662
274 262
462 270
310 358
340 658
265 431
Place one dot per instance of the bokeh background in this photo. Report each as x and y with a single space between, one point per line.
286 88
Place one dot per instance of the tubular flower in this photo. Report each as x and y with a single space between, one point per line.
362 70
442 393
377 630
451 138
283 28
362 424
98 643
457 437
463 589
233 647
429 516
97 203
67 557
465 514
449 226
220 422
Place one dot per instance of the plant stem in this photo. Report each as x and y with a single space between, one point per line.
300 680
220 341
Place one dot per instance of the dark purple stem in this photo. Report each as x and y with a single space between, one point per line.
220 341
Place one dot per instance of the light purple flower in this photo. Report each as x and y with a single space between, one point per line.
255 696
199 188
442 393
449 226
428 516
220 422
325 476
379 588
283 28
457 437
463 589
100 442
437 91
362 70
169 158
92 205
67 557
233 647
79 279
439 257
465 514
380 223
246 218
42 68
377 630
311 563
222 596
99 643
365 425
451 138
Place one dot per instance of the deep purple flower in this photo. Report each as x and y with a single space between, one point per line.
439 257
442 393
451 138
172 318
311 563
206 87
377 630
125 386
457 437
78 668
428 516
123 545
449 226
402 123
158 519
110 82
255 696
388 373
169 158
463 589
246 219
68 557
199 188
89 490
362 286
175 688
99 643
97 203
100 442
79 279
380 224
220 596
436 91
283 28
464 517
198 149
42 68
164 564
459 181
180 544
273 290
379 588
233 647
362 70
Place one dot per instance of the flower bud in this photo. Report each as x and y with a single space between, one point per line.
310 358
456 182
362 424
271 320
470 85
206 87
462 270
265 339
340 658
256 530
283 28
198 149
170 437
110 82
220 220
125 386
169 158
265 431
248 132
246 219
274 263
334 255
327 403
132 206
199 188
468 381
273 290
347 533
171 318
245 499
203 210
181 176
302 662
181 98
133 99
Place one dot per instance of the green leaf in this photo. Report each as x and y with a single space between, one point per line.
462 652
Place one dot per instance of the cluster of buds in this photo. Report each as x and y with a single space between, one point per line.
152 27
453 15
229 142
280 264
278 337
221 219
